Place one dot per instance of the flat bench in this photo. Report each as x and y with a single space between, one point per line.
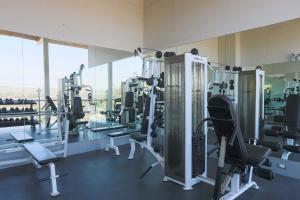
112 135
21 137
43 156
108 128
40 155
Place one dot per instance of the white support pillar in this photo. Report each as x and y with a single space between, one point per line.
45 43
46 66
109 90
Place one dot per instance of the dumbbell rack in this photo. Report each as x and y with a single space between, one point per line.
13 118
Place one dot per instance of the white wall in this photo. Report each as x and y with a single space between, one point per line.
169 23
207 48
116 24
271 44
99 56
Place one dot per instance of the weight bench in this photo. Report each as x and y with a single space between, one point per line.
240 156
113 135
40 155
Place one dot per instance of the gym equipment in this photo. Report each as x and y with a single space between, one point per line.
251 108
143 138
241 157
12 110
4 110
292 126
224 82
185 106
40 155
113 135
69 90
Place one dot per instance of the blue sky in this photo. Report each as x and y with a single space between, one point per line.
21 62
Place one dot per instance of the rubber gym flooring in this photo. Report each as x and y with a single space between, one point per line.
102 175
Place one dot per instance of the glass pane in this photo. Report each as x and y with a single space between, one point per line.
122 70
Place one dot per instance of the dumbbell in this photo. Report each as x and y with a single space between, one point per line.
5 122
11 122
26 110
1 101
1 122
12 110
4 110
227 67
194 51
17 110
231 82
168 54
158 114
17 121
235 68
158 54
156 149
153 126
6 101
31 110
11 101
149 82
153 134
160 123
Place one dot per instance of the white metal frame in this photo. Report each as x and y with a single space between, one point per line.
153 67
260 75
189 181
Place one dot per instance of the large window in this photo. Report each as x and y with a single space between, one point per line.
63 61
22 70
97 77
122 70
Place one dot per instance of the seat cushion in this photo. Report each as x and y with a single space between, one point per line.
257 154
138 136
290 134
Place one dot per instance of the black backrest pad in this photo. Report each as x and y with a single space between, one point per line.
220 107
77 108
145 122
293 112
129 97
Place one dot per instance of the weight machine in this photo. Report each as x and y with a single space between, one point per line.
148 135
69 89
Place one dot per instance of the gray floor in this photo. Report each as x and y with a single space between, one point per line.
101 175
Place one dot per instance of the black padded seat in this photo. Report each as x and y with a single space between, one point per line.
227 125
121 133
291 135
256 154
40 153
138 136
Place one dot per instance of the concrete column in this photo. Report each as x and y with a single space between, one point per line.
46 66
45 43
229 51
110 86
